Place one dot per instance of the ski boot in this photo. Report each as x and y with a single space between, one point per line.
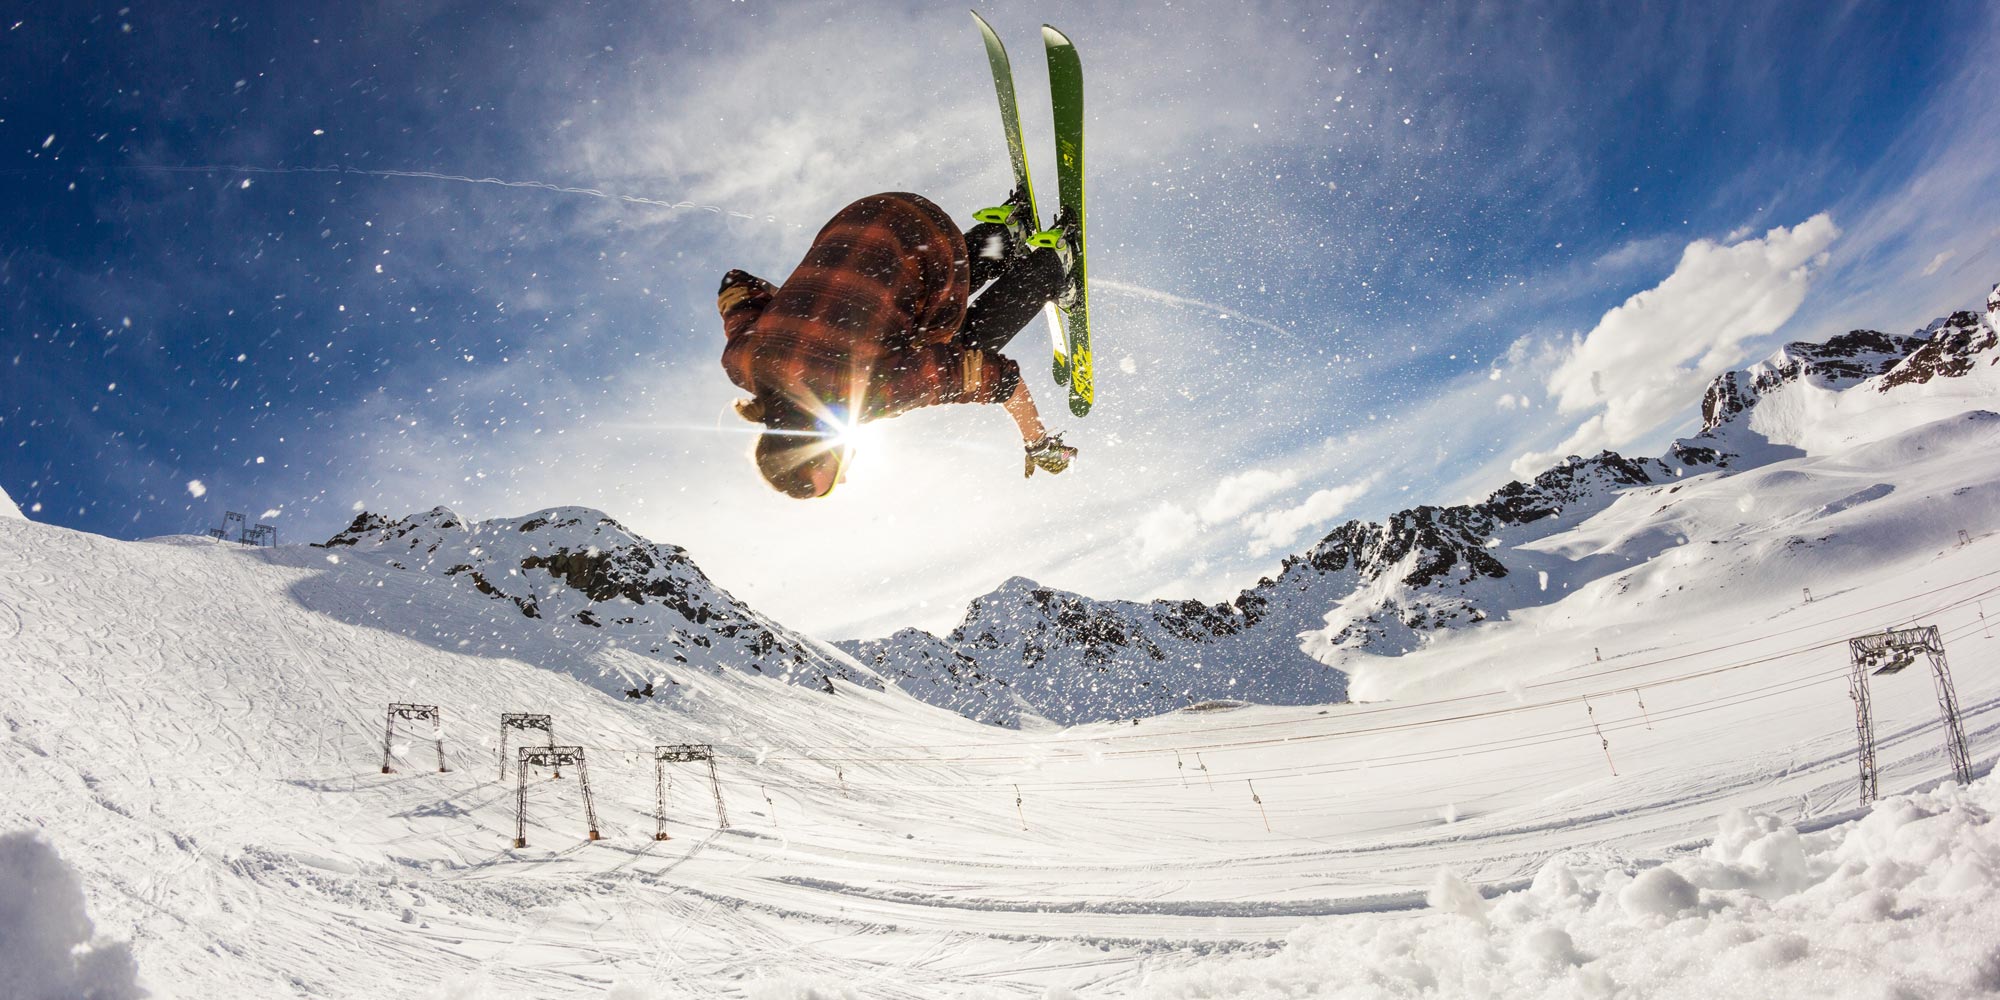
1017 215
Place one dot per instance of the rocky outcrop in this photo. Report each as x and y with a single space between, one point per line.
1951 346
572 566
937 672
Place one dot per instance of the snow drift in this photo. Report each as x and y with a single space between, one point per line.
48 947
1904 902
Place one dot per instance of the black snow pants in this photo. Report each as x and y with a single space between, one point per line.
1022 284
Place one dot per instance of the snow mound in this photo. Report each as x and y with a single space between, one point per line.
1905 901
48 947
8 508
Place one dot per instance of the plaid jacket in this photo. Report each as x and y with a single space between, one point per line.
866 321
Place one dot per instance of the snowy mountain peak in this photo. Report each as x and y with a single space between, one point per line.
1842 361
1068 658
575 566
1374 588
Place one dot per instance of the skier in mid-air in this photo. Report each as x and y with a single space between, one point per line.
879 319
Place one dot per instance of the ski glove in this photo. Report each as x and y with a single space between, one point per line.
1050 454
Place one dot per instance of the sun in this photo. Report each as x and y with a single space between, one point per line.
872 455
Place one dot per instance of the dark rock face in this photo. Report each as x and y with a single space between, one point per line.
573 566
1441 540
1723 401
1951 348
1450 544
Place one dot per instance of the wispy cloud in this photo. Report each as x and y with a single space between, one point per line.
1277 529
1238 493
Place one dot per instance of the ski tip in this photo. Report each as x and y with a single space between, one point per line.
1052 37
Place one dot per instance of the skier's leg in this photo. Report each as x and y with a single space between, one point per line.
1029 282
991 247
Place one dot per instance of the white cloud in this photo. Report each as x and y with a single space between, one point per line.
1238 493
1273 530
196 488
1647 359
1938 261
1166 529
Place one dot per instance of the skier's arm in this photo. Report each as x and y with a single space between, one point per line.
741 301
1021 407
942 373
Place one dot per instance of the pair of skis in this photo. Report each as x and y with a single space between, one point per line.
1072 366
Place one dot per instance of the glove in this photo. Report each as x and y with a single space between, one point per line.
1050 454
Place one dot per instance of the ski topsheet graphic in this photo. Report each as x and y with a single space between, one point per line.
1069 325
1066 94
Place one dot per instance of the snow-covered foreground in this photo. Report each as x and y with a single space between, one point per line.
197 729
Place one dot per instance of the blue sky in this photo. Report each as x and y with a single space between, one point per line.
1349 258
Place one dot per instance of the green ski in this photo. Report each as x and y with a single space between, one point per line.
1066 93
1020 213
1022 198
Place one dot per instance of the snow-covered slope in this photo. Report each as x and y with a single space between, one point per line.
196 730
8 508
1370 590
587 582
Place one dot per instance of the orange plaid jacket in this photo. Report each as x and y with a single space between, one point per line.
866 320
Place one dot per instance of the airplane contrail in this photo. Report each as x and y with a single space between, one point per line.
431 175
1168 298
1104 284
